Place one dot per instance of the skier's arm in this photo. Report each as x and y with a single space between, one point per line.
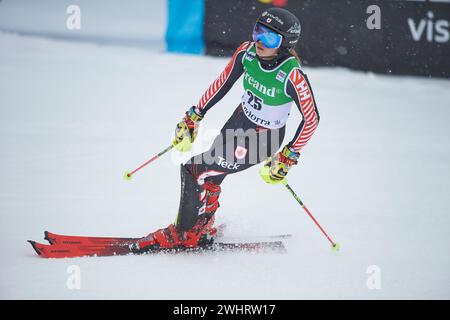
219 88
186 130
276 169
299 89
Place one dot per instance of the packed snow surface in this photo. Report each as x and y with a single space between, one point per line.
74 116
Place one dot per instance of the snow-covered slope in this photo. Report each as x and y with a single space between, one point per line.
75 116
142 23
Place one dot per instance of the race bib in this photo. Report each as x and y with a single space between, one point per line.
268 116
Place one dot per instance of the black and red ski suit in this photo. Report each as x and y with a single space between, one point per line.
198 174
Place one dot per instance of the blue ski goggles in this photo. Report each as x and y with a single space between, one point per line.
270 39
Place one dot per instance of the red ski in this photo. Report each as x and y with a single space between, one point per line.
58 239
55 239
76 250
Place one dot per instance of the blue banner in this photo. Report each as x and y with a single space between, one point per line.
185 26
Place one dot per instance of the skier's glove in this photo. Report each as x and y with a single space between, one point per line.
186 130
275 169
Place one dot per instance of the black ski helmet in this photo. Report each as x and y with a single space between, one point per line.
283 22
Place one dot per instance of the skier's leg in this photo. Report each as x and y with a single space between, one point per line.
197 197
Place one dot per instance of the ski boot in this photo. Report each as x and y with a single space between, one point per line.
201 234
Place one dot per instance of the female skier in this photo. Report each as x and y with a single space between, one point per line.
254 133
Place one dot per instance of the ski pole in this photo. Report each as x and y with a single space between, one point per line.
128 175
334 245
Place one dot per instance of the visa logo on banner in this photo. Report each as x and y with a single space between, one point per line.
437 31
